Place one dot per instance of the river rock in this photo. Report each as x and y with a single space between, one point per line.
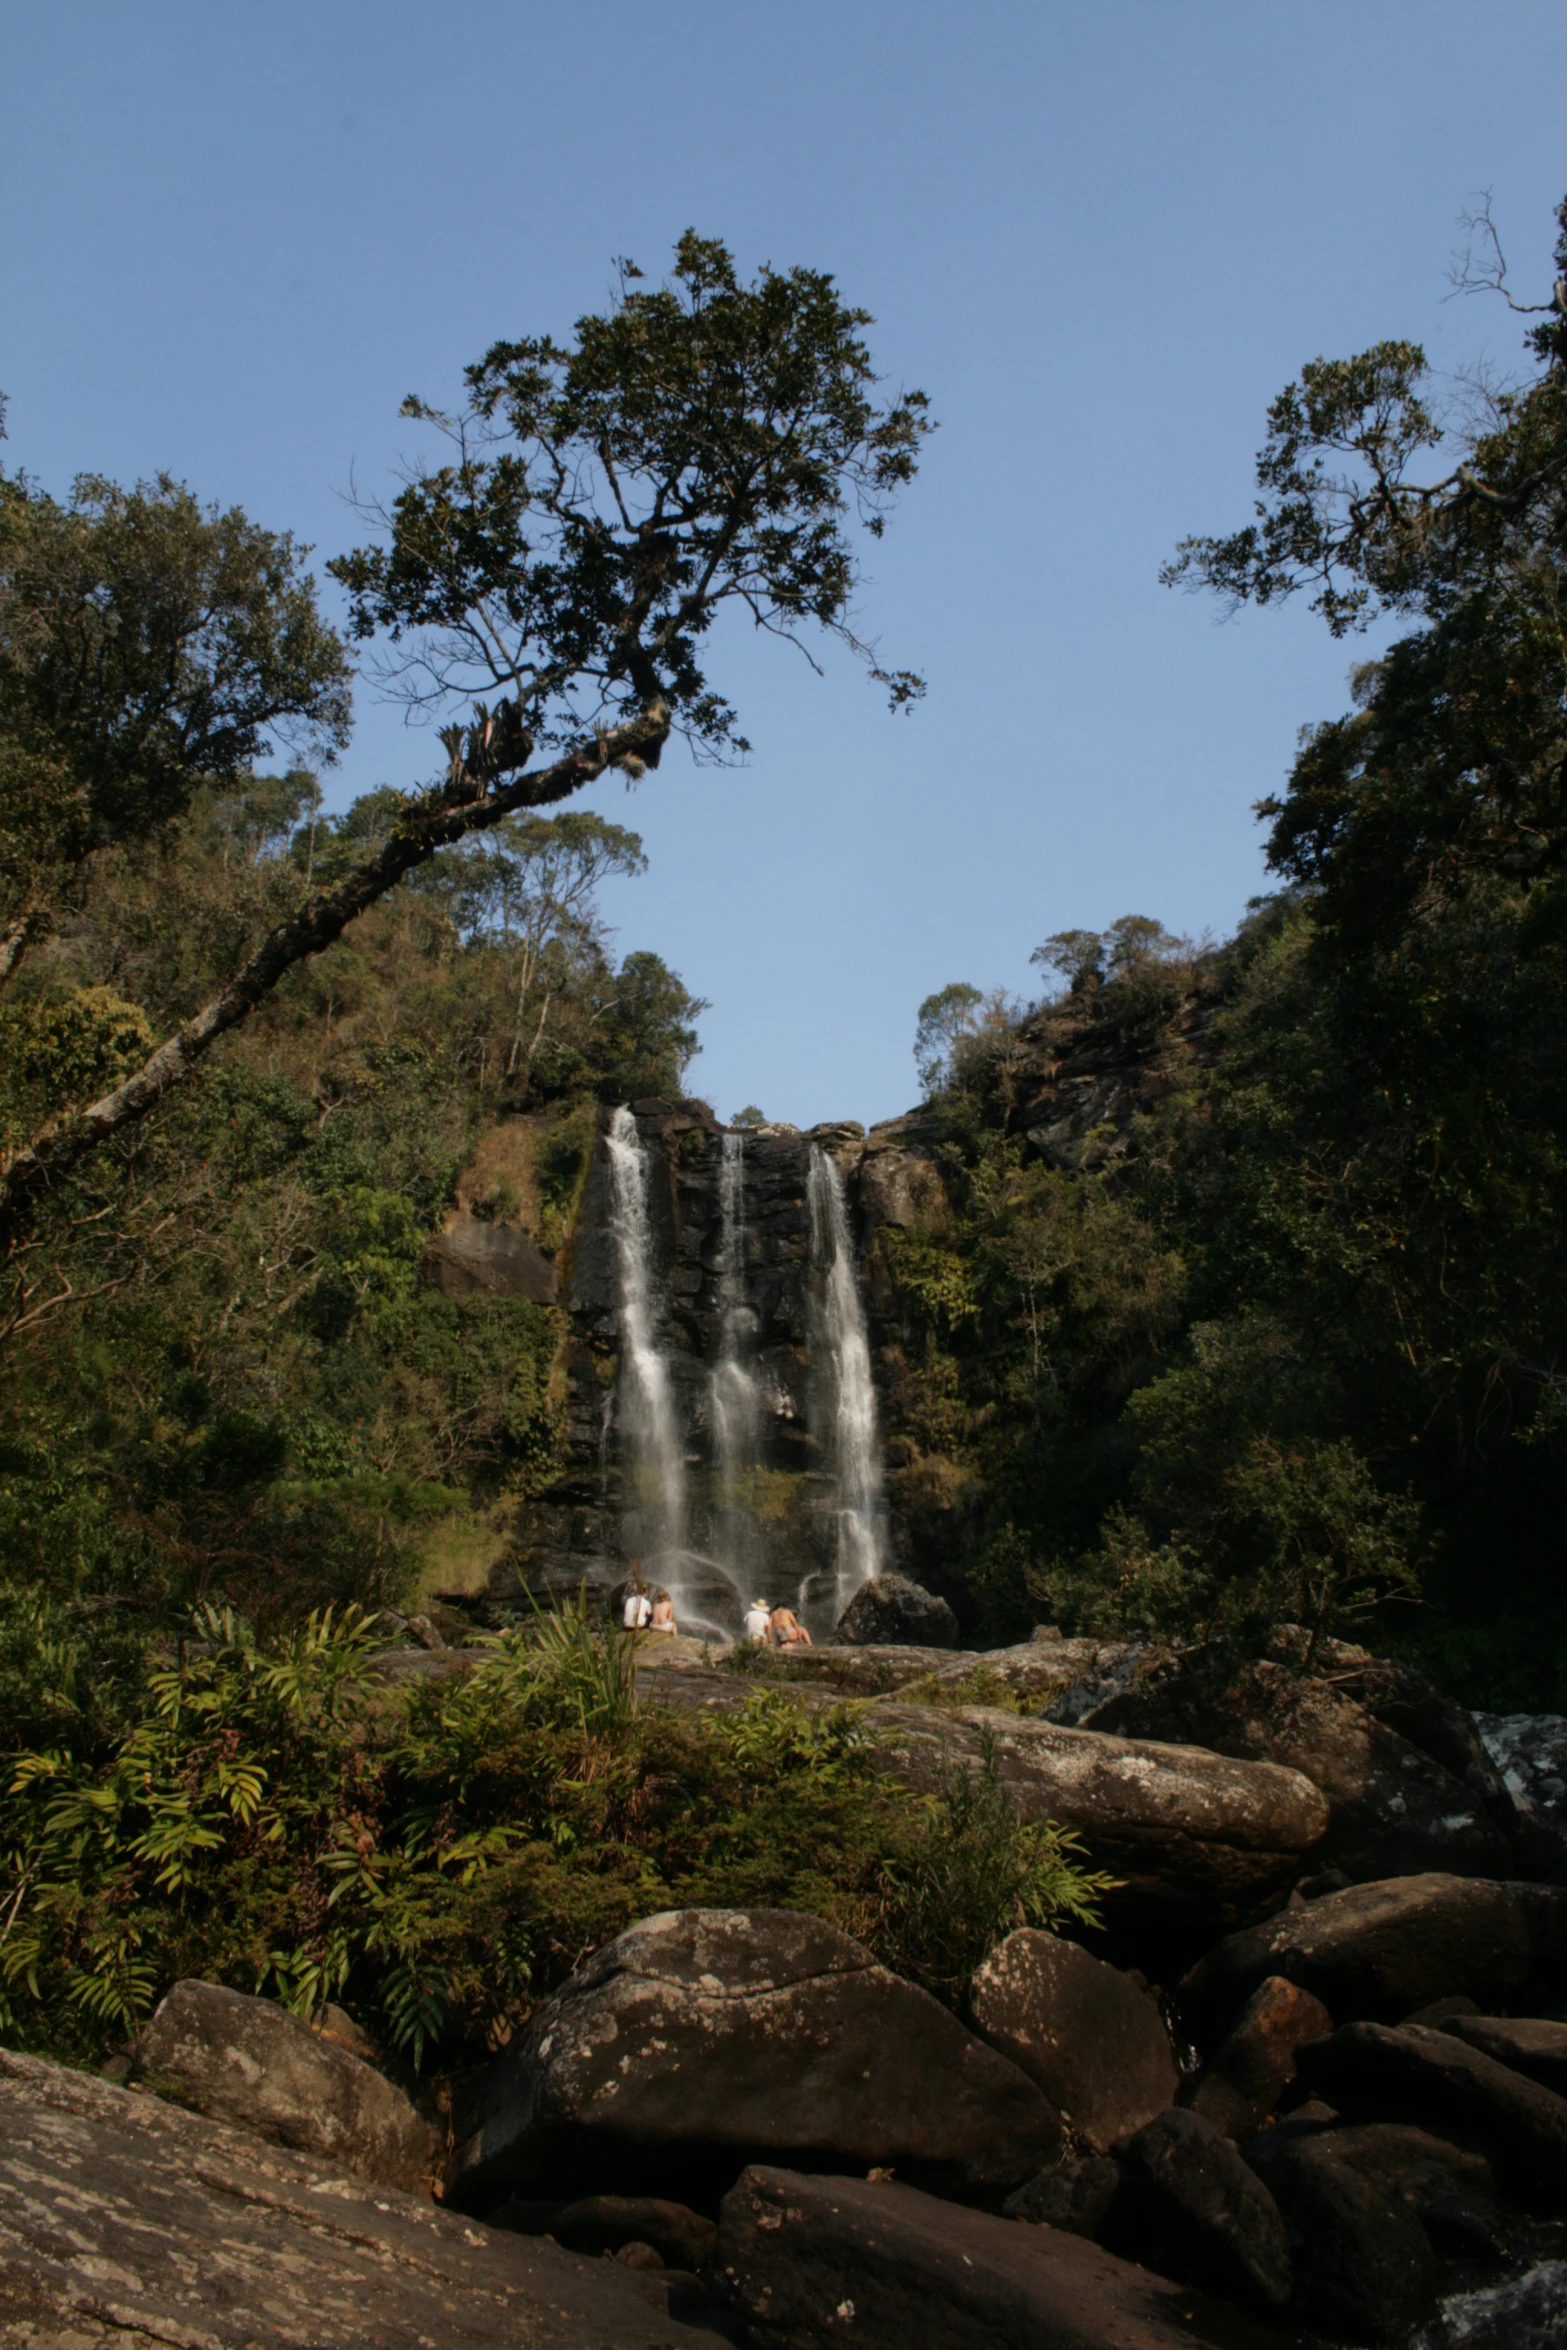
1199 1842
890 1610
1372 2072
1075 2195
1394 1809
1093 2041
882 2266
1380 1951
1530 2044
126 2222
701 2038
597 2224
249 2062
1365 2271
1203 2212
1243 2082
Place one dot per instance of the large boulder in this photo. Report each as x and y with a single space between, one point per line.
1091 2037
1199 1842
1202 2212
1248 2073
1365 2271
1534 2045
889 1610
1382 1951
879 2265
249 2062
703 2038
1373 2072
1394 1808
126 2222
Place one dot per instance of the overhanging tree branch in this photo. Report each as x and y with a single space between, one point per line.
471 799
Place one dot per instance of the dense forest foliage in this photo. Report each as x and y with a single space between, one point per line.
1290 1338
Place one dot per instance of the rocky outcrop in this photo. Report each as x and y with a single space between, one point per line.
1382 1951
1365 2268
125 2222
704 2038
1534 2046
249 2062
1201 2212
1248 2073
1393 1806
1090 2037
1198 1840
819 2260
1372 2072
891 1609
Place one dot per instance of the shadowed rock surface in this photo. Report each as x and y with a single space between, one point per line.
124 2221
1380 1951
1364 2269
1371 2072
1202 2212
891 1609
703 2037
1530 2045
1244 2079
1393 1806
250 2062
1093 2041
819 2260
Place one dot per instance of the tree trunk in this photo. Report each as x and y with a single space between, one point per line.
447 813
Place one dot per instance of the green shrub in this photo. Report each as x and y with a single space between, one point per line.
282 1816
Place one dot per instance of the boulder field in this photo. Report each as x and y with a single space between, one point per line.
1319 2096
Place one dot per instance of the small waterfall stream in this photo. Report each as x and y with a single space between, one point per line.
735 1396
656 1517
854 1450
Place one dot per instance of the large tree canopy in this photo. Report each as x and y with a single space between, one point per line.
702 445
148 646
708 444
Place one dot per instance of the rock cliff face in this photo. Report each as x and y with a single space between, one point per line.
740 1293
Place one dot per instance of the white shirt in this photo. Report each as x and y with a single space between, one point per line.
638 1611
758 1625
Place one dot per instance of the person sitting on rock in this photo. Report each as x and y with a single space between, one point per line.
639 1607
663 1618
759 1624
788 1631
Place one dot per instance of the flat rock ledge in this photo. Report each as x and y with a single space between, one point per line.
879 2265
124 2221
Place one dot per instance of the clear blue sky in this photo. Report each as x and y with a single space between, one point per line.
1101 238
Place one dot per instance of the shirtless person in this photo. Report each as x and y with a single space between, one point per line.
788 1631
663 1619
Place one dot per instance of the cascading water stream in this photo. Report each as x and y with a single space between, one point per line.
735 1397
656 1517
854 1449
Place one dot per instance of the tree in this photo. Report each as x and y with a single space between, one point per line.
705 445
148 646
531 881
943 1019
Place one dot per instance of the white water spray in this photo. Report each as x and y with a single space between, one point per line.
855 1452
646 1414
735 1398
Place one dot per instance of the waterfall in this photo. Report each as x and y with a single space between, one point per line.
735 1398
854 1451
647 1417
